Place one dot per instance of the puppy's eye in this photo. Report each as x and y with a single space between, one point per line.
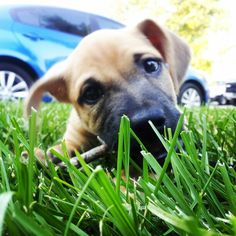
91 94
152 65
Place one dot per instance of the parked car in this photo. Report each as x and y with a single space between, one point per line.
230 93
34 37
217 92
194 90
225 91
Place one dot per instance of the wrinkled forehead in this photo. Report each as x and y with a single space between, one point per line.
111 48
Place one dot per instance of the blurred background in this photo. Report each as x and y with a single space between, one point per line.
208 26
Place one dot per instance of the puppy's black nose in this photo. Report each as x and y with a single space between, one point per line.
140 125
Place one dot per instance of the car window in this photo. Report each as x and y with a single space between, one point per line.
98 22
64 20
28 16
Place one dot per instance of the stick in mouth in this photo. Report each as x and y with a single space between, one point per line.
89 156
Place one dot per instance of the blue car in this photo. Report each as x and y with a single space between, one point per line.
194 90
34 37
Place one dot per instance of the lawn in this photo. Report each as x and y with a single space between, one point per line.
193 193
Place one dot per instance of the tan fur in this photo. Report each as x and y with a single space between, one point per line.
107 55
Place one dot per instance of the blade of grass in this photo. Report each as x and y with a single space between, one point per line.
202 177
78 201
231 194
145 165
122 219
5 180
126 152
175 192
31 157
204 162
19 133
233 222
29 224
170 150
120 155
5 198
188 224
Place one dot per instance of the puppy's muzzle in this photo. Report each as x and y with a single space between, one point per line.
146 104
141 127
139 122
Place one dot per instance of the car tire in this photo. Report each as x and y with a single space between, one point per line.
233 102
222 100
190 95
14 82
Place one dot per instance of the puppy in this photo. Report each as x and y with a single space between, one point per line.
132 71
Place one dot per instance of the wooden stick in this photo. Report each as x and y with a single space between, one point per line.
89 156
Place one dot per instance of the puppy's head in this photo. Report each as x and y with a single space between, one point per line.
133 71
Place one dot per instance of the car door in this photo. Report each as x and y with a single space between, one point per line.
48 34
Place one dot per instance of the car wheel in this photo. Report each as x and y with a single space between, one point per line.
190 95
14 82
222 100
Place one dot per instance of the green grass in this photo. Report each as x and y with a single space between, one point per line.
194 193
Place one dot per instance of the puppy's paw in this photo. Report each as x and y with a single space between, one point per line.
39 154
24 157
54 158
43 157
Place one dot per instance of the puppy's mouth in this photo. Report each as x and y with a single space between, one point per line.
161 118
150 141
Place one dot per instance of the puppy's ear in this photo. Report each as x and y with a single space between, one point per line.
53 82
173 49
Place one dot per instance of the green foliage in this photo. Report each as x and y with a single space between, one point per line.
191 19
192 194
194 20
